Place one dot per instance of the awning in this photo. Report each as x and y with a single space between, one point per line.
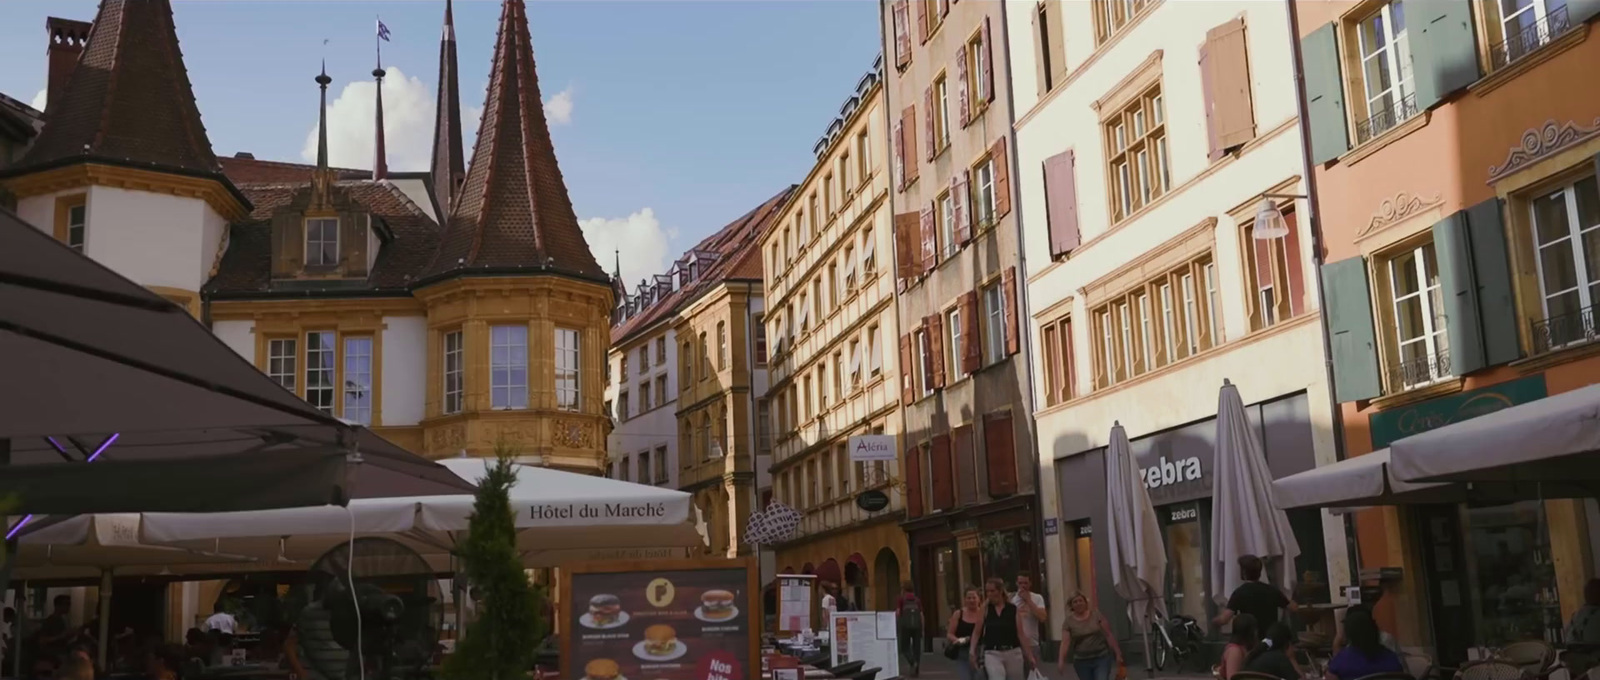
1553 442
1354 482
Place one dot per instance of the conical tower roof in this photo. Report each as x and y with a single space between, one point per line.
512 214
449 166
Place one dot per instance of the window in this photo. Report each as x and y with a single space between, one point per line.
281 360
1272 274
320 384
816 301
941 119
625 469
1058 360
828 202
1517 29
661 465
722 345
808 399
1049 46
833 284
855 363
1421 344
952 323
644 397
686 370
874 350
661 351
1108 357
1214 303
1147 350
1161 321
322 241
822 386
1127 345
567 363
661 389
1191 316
849 259
1388 95
1112 16
508 366
454 368
763 427
77 219
1566 226
839 370
844 177
707 446
1136 149
869 251
994 324
1169 325
946 218
863 157
816 212
925 354
623 405
984 199
977 61
761 339
358 379
622 368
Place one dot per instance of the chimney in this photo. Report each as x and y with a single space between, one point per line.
67 38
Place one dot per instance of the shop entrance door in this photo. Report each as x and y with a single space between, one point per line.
1186 529
1446 568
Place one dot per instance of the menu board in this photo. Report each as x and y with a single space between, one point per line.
794 602
869 637
660 620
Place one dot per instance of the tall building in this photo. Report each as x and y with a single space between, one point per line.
1455 156
835 373
967 443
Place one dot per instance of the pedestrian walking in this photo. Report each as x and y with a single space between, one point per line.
908 612
1088 636
1031 605
998 641
958 634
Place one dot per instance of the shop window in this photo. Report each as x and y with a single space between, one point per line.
1515 592
1186 530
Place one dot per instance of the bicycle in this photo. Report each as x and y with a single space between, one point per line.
1179 637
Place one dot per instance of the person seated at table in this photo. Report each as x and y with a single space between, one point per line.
44 668
1364 654
197 647
1274 655
1243 639
164 663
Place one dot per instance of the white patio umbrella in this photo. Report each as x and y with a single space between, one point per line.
1244 520
1138 557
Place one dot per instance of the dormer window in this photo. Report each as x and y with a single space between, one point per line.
322 241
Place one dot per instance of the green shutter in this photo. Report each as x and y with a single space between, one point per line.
1491 266
1444 53
1579 11
1460 293
1350 330
1324 95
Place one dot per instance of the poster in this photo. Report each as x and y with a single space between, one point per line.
794 602
860 636
660 620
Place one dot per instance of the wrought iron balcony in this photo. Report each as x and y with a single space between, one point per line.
1419 371
1384 119
1529 39
1561 331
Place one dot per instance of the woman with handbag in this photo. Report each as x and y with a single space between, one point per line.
1000 641
1088 635
958 634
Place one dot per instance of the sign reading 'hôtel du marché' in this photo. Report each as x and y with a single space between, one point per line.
558 512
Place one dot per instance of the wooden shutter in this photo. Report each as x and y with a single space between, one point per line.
999 448
899 140
1491 265
930 241
353 244
922 21
908 127
1444 50
908 375
1350 330
988 63
966 466
1324 95
914 480
936 348
1009 282
1061 202
907 259
1209 103
927 126
929 377
1294 265
288 245
1002 178
1460 293
1261 255
963 84
902 35
1057 40
1041 53
1229 59
941 474
971 343
958 196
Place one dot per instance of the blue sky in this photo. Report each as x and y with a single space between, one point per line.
679 116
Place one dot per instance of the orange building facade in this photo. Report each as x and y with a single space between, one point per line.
1455 149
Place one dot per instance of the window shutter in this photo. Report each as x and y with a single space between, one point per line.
899 155
907 259
927 126
936 347
914 480
908 128
1207 92
929 377
1491 265
999 444
1057 40
966 469
1350 330
902 36
1009 283
988 63
958 195
971 343
1041 54
930 241
1324 95
1002 178
1460 293
288 245
908 374
941 474
1229 57
1261 253
1444 52
1296 267
922 21
963 84
1061 202
353 244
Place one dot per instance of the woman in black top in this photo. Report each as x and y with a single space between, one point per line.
997 642
958 635
1274 655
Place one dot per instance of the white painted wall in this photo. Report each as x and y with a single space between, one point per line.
405 370
1272 365
657 427
155 239
239 336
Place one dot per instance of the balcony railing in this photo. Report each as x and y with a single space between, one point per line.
1386 118
1557 332
1419 371
1529 39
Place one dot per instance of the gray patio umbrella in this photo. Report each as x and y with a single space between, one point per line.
1138 557
1244 520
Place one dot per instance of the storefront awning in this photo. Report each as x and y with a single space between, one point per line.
1354 482
1553 443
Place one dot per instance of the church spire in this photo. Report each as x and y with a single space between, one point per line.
449 166
380 161
322 176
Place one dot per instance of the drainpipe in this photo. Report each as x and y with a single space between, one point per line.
1317 259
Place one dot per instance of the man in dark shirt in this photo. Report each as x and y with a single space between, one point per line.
56 633
1260 600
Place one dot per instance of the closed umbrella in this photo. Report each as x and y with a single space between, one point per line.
1138 558
1244 520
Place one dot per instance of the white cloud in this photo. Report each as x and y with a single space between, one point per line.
39 99
559 109
642 240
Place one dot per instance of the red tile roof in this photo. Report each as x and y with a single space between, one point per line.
512 213
251 171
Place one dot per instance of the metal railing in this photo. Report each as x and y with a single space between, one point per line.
1529 39
1561 331
1419 371
1384 119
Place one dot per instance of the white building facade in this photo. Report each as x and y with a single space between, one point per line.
642 394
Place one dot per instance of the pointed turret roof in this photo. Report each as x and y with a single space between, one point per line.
512 214
129 101
449 161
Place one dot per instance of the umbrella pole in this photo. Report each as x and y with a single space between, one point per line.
18 635
105 614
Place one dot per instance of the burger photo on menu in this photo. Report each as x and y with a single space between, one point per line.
716 606
602 669
660 644
605 611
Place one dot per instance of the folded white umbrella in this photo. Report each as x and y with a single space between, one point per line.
1138 557
85 546
1244 520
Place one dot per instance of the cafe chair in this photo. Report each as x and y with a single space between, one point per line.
846 669
1536 657
816 660
866 674
1491 669
1389 676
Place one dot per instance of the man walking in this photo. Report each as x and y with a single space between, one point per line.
908 611
1253 597
1031 608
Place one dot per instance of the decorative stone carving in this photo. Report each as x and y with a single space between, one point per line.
448 439
573 435
1403 205
1540 142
